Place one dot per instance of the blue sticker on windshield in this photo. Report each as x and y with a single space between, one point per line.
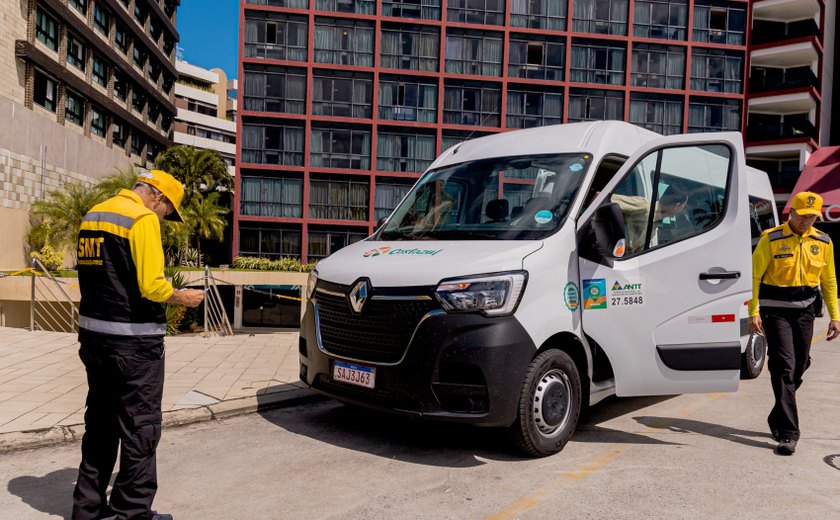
543 217
575 167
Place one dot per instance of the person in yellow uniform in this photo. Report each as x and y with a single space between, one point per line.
122 323
790 264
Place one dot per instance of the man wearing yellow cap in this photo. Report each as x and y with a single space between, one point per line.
122 323
790 263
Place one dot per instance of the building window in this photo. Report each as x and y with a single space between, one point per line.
714 70
416 9
139 56
344 42
324 243
168 45
660 19
340 147
595 105
472 104
80 5
485 12
597 63
407 100
154 69
101 19
76 52
45 91
265 143
600 16
656 66
118 133
138 99
276 37
474 53
141 11
120 85
153 112
271 197
338 199
155 29
539 14
451 138
100 71
714 115
536 58
269 242
46 29
656 112
121 38
527 109
342 94
719 22
411 49
136 142
97 121
274 89
402 152
345 6
74 108
387 196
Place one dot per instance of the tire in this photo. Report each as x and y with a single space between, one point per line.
549 405
754 357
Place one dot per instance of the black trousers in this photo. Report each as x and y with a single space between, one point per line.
125 388
788 333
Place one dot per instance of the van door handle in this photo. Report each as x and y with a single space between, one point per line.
720 275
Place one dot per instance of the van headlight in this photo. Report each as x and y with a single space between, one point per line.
491 295
311 282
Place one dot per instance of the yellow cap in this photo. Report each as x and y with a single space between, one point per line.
807 203
171 188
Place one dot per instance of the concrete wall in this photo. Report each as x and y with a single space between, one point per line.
12 27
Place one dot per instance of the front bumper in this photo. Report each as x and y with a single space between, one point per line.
457 367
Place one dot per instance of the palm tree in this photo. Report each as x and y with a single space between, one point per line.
201 171
63 210
121 179
206 218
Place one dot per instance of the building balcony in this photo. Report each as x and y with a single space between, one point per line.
765 31
799 54
785 9
780 131
797 103
772 79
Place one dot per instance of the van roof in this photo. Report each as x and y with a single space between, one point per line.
595 137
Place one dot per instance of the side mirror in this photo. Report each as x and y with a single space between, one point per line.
608 225
380 223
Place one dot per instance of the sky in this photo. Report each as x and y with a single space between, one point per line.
209 33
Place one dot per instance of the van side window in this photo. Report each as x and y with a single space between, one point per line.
761 218
672 194
604 174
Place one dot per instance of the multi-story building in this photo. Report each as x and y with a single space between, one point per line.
344 102
206 118
85 86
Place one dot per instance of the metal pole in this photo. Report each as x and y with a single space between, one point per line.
206 294
32 305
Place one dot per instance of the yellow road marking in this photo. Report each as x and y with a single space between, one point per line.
534 499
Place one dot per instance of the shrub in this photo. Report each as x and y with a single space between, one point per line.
266 264
52 259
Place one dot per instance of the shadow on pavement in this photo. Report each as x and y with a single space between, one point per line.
609 409
719 431
395 437
52 493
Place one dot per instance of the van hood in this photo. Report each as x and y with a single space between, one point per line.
399 263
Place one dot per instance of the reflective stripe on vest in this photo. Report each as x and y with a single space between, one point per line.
111 218
121 328
783 304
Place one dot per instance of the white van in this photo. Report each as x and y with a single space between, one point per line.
531 273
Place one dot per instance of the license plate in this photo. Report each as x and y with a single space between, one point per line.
354 374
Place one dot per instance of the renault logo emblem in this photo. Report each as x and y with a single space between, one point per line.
359 295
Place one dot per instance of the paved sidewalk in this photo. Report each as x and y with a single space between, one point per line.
43 383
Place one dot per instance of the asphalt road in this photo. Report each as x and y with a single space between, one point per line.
689 456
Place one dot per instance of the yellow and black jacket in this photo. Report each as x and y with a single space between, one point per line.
121 275
788 269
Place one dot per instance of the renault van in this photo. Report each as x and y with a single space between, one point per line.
530 274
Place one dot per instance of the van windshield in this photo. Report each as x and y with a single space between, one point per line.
504 198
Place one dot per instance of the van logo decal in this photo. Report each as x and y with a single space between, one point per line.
595 294
359 295
386 250
571 296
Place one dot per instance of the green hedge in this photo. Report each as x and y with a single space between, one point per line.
266 264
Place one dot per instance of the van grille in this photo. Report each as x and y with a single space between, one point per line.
380 334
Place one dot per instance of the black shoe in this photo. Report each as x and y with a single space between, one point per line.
786 447
160 516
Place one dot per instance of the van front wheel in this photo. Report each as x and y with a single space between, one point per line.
549 404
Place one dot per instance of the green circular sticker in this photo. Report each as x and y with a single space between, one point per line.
571 296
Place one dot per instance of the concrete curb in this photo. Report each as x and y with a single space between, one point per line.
30 439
